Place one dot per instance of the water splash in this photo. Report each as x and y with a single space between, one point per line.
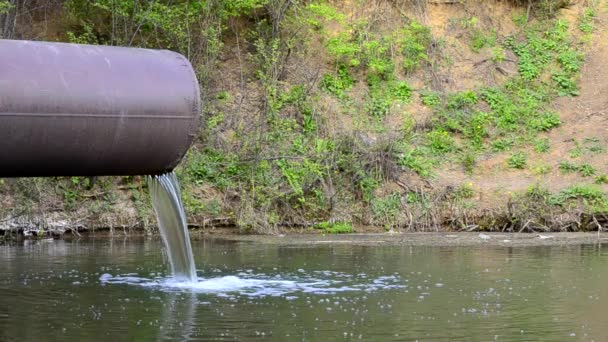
262 285
171 217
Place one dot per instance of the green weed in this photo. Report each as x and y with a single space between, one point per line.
601 179
592 145
379 102
586 24
567 86
498 54
542 145
584 170
320 13
577 151
538 192
440 141
544 122
570 60
402 91
337 85
386 210
478 39
589 193
517 160
504 144
430 99
415 160
415 41
568 167
468 158
541 169
463 191
335 228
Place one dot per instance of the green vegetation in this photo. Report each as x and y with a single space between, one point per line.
313 112
584 170
541 145
480 37
335 228
590 194
541 169
517 160
586 23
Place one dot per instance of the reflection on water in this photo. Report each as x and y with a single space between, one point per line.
98 290
178 317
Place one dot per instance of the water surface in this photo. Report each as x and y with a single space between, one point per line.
121 290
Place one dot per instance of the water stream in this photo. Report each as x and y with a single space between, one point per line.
118 290
169 209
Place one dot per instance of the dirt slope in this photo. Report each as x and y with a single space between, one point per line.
584 123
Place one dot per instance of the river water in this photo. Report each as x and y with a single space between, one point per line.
120 290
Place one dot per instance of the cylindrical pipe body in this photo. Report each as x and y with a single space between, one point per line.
83 110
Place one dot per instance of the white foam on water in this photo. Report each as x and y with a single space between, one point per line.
253 285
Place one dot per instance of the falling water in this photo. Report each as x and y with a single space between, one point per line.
167 203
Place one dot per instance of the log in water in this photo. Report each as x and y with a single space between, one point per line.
171 217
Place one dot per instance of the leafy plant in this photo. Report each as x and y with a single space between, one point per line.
462 99
386 210
5 6
498 54
379 102
402 91
478 39
440 141
541 169
468 159
586 170
430 99
465 190
504 144
517 160
591 194
570 60
542 145
335 227
337 84
415 41
320 13
416 161
586 23
601 179
567 86
545 121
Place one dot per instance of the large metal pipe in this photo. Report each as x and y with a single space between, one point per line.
83 110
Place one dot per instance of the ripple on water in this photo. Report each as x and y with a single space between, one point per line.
253 285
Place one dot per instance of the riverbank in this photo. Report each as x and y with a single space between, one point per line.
444 116
314 238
